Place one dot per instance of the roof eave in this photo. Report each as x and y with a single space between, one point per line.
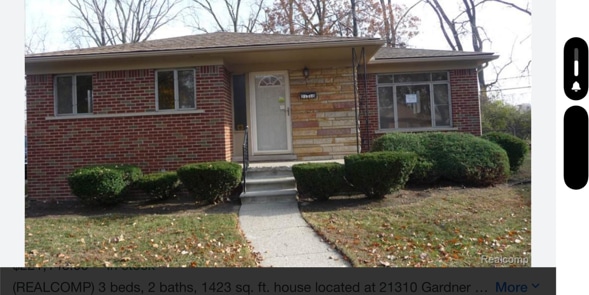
480 57
212 50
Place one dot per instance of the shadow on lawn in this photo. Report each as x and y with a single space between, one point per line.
136 205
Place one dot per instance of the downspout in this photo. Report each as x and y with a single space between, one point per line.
365 90
355 79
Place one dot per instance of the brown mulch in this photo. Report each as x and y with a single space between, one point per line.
183 204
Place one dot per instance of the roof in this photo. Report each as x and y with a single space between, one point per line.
389 54
219 40
240 51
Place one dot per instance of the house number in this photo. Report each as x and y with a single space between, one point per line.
308 95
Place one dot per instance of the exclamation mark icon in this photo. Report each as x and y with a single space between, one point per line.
576 87
575 68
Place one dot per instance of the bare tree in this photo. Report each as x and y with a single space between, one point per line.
35 39
110 22
465 23
368 18
230 9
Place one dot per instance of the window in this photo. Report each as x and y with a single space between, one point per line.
73 94
417 100
175 90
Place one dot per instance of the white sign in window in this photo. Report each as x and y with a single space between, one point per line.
410 98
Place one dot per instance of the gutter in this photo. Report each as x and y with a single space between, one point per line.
480 57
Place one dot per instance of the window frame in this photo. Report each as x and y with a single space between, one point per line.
176 90
430 83
74 95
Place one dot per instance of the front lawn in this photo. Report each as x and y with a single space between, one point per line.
174 240
446 226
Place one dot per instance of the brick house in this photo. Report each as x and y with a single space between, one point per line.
164 103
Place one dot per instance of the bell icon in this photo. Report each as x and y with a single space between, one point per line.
576 86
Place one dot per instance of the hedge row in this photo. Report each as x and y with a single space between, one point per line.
373 174
108 184
458 157
516 148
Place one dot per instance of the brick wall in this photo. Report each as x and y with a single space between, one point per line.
464 89
153 142
323 128
464 99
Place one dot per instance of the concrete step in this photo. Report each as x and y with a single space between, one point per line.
284 195
269 172
269 184
272 183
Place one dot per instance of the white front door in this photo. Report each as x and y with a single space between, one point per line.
270 108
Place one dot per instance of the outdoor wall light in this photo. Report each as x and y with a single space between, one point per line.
306 72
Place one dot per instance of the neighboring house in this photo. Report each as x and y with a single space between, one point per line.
164 103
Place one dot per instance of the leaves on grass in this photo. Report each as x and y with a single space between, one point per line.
159 241
451 228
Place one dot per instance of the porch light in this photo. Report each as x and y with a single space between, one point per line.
306 72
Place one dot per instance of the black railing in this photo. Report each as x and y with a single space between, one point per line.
246 157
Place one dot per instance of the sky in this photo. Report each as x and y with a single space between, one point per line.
508 29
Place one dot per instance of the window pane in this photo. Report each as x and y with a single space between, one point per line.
386 109
442 76
408 78
413 106
84 94
64 95
385 78
165 90
186 90
239 108
442 105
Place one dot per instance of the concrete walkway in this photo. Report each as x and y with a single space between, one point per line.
282 237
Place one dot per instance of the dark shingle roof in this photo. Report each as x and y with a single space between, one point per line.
206 41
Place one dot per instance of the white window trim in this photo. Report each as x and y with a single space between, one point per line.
74 96
431 84
176 99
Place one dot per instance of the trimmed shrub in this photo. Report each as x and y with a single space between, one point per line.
319 180
423 172
98 185
210 181
458 157
516 148
467 159
379 173
131 173
160 185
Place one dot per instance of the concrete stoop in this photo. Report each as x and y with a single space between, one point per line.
264 184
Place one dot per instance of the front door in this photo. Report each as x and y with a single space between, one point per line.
270 107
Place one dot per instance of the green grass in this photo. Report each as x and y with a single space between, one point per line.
437 227
450 228
182 240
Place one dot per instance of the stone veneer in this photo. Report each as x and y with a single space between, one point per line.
323 128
